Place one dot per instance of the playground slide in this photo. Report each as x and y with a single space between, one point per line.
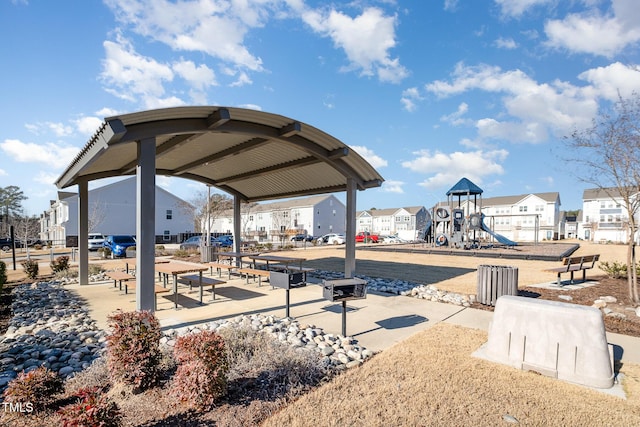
427 230
499 237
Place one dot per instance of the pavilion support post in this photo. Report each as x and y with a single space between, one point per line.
83 232
237 218
145 224
350 236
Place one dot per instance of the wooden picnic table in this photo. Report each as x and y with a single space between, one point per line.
176 268
236 255
278 259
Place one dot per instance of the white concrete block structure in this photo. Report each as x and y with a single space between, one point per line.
556 339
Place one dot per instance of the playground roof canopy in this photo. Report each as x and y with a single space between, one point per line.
464 187
250 154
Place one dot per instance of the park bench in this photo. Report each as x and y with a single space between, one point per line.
255 272
573 264
194 280
157 290
119 277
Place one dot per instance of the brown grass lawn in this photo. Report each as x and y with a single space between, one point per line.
431 379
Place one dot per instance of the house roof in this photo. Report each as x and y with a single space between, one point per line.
600 193
250 154
550 197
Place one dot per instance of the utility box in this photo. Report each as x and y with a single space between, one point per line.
287 280
344 289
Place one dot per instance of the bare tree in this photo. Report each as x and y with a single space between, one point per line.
609 151
197 208
246 211
27 230
97 215
280 223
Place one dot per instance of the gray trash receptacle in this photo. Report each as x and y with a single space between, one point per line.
209 253
495 281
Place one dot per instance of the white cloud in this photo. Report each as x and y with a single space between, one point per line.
371 157
197 76
516 8
87 125
450 5
613 79
46 178
456 118
107 112
393 187
216 28
532 111
447 168
506 43
57 129
409 98
365 39
56 156
251 107
242 80
131 75
594 33
3 172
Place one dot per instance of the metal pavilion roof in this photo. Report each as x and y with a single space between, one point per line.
251 154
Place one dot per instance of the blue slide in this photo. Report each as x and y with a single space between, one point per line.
499 237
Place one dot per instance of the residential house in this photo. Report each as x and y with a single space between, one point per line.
407 222
604 217
521 218
314 215
112 210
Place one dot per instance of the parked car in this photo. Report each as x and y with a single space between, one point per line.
332 239
96 241
366 237
302 237
118 244
6 244
391 239
193 242
225 241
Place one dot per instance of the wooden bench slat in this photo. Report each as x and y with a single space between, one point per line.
255 272
573 264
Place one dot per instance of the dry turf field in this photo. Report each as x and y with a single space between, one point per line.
431 379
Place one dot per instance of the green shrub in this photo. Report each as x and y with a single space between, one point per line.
268 245
30 268
36 387
3 274
59 264
133 348
105 252
615 270
201 377
93 408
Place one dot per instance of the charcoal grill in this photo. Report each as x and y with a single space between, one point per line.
287 281
343 290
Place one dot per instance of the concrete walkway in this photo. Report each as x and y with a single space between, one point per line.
377 322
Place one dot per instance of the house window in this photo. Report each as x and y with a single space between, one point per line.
250 217
602 205
334 212
523 208
166 236
285 214
283 228
261 229
169 214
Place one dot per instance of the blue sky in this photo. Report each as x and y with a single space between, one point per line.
427 91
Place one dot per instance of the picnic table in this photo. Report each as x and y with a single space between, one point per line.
236 255
278 260
175 269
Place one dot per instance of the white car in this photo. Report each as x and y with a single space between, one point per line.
391 239
332 239
96 241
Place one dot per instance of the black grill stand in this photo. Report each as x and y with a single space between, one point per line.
287 281
344 290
